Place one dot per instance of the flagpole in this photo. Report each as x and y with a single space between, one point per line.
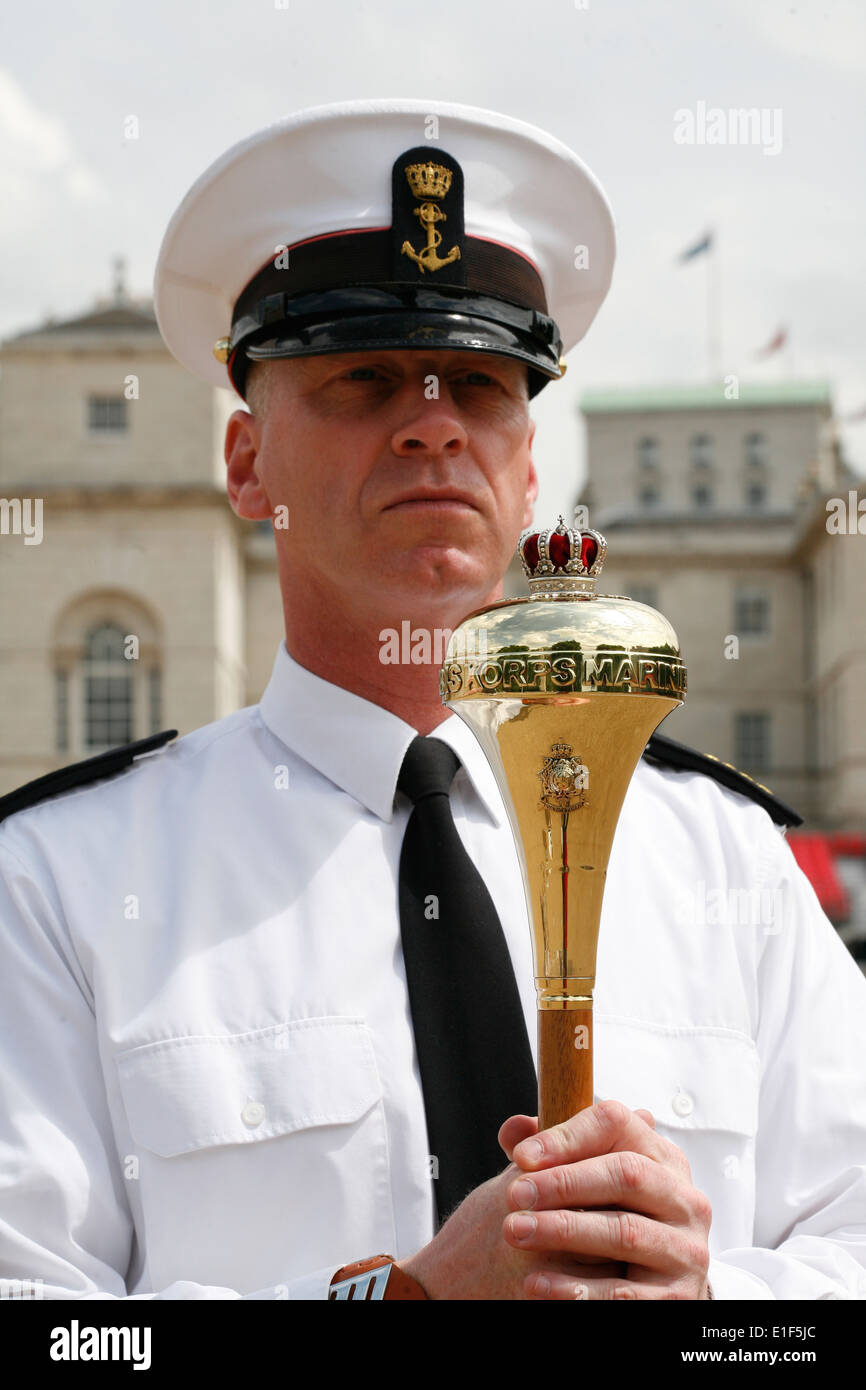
714 331
707 246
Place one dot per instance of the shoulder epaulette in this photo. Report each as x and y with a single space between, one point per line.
80 774
671 754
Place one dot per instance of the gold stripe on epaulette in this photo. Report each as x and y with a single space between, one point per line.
741 774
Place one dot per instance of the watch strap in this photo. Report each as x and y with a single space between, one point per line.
378 1277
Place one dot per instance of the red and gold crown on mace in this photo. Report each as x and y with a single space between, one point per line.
562 559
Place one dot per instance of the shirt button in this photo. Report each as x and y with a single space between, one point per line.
253 1113
682 1104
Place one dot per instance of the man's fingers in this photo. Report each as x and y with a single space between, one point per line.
515 1129
622 1179
566 1271
648 1117
609 1235
603 1128
556 1287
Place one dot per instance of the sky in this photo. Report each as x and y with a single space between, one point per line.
608 77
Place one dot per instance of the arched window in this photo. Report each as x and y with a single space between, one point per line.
108 689
108 674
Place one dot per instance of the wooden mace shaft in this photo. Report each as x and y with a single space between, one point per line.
564 1064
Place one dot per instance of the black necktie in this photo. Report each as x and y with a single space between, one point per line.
470 1033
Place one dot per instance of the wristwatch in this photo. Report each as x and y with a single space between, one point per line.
377 1277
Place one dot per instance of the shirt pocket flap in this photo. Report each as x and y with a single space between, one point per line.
188 1093
689 1078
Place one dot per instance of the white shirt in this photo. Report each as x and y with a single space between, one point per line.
210 1084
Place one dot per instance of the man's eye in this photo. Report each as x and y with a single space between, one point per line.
373 373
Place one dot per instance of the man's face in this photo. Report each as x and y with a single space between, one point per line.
407 474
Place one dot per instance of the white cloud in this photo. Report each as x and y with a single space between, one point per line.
35 147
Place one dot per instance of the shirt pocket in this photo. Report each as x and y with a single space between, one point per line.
262 1155
702 1086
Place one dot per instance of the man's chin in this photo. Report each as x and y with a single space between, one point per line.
434 588
438 570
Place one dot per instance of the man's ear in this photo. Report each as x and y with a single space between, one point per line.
531 482
245 489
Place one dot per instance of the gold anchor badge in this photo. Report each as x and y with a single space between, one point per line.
429 181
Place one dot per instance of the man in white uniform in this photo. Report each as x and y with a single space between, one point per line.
211 1085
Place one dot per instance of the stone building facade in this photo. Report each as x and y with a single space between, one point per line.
145 603
720 506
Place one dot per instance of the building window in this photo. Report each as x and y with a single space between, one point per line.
107 650
701 451
108 705
751 612
752 741
644 593
61 704
649 496
155 692
106 414
647 454
756 495
755 450
702 496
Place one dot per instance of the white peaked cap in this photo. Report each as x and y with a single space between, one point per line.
537 241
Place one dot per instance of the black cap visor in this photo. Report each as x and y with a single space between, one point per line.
360 320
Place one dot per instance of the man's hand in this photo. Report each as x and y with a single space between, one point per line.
646 1213
470 1259
647 1238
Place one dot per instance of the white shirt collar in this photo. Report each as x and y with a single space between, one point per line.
359 745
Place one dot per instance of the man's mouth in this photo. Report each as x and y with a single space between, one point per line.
426 500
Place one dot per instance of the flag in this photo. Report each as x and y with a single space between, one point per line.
705 244
779 339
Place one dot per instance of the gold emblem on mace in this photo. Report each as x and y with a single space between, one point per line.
429 182
563 779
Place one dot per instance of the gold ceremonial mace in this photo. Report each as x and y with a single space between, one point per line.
563 690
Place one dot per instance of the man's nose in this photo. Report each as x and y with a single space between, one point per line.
435 430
